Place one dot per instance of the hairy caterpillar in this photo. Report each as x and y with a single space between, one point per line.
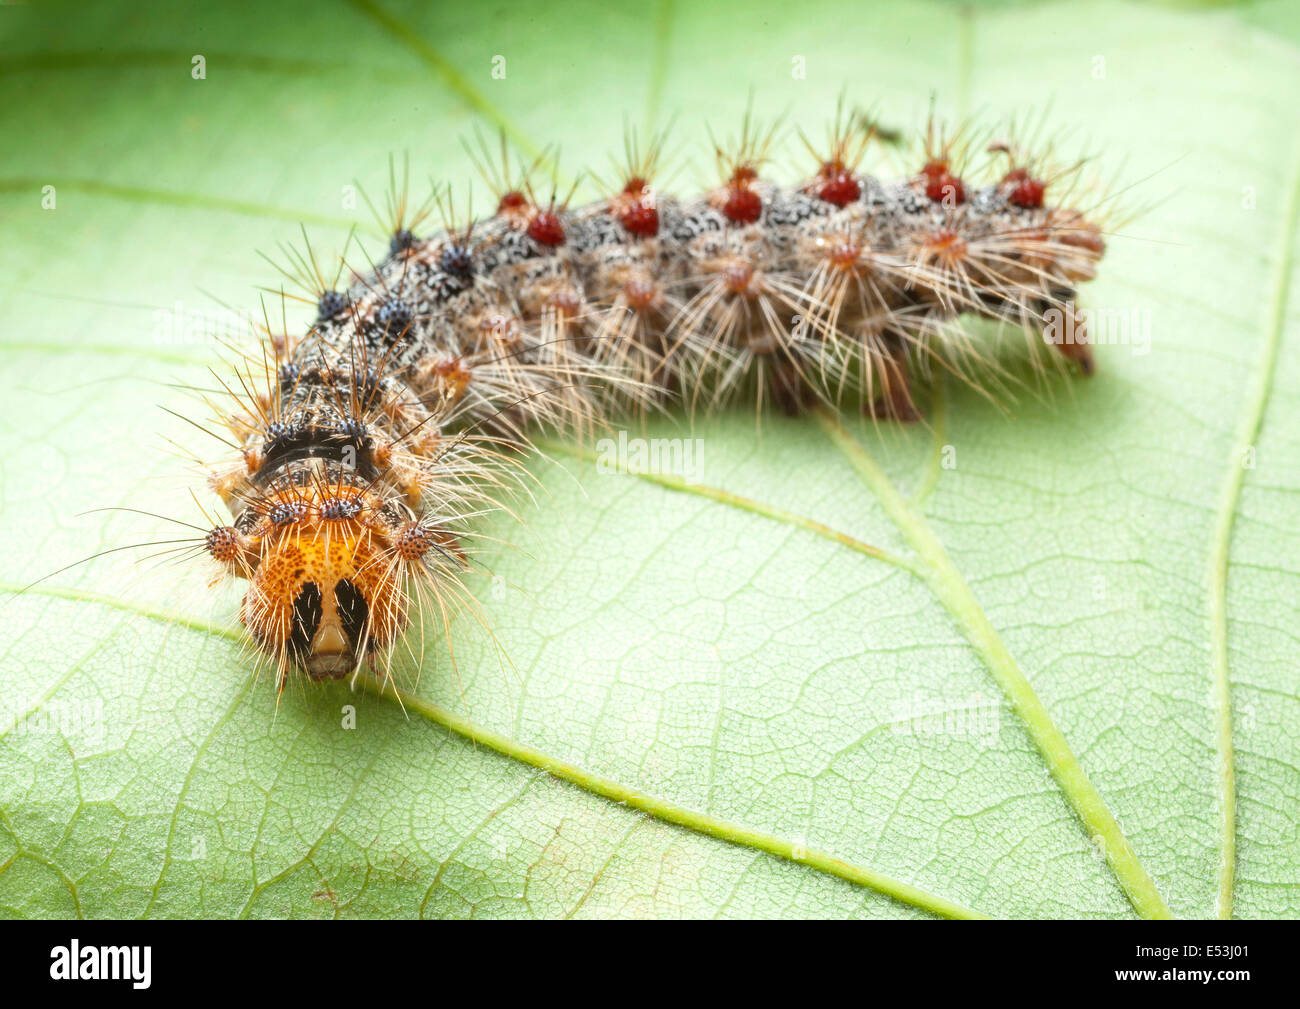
370 443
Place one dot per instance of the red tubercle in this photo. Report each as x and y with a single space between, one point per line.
512 202
838 184
736 197
939 182
945 188
640 219
545 227
1023 189
635 208
742 205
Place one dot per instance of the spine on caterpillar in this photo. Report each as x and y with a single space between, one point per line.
372 443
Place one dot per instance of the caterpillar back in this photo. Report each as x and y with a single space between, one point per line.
369 445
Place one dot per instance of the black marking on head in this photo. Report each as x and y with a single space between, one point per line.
352 611
289 375
306 618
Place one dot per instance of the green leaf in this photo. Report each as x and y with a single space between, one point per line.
830 674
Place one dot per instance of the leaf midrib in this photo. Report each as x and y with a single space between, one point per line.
1245 437
944 580
731 832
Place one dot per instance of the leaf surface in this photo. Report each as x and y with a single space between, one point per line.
746 715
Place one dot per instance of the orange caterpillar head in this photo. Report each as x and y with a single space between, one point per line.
326 573
324 597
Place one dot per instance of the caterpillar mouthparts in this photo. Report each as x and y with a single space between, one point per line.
321 569
369 444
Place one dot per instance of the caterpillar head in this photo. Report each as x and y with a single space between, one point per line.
324 599
325 582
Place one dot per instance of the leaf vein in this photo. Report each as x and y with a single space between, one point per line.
597 784
1230 496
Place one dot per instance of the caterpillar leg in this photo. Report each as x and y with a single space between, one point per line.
895 399
788 386
1073 342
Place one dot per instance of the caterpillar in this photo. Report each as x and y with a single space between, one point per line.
369 445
